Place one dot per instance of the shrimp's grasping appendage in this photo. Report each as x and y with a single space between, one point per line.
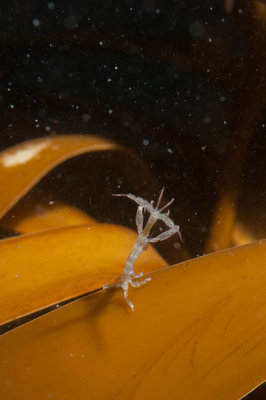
125 279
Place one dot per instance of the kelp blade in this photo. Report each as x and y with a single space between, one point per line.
197 332
41 269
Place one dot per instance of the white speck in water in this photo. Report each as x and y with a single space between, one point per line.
177 245
51 5
51 202
207 119
196 29
70 22
36 22
85 117
110 111
71 355
171 151
16 276
37 124
145 142
100 43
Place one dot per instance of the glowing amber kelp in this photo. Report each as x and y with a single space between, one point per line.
197 332
22 166
45 268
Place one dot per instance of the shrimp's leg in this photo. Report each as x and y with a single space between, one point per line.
140 283
165 235
137 275
129 302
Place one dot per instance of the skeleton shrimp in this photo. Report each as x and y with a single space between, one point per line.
125 279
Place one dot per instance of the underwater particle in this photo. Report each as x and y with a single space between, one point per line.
70 22
206 119
51 5
36 22
85 117
145 142
37 123
196 29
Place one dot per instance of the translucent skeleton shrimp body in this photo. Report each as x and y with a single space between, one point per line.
125 279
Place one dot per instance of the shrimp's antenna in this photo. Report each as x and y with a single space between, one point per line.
166 205
159 199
